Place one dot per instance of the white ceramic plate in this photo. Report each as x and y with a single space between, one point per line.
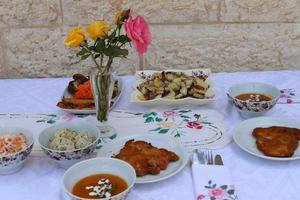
142 76
243 135
160 141
86 111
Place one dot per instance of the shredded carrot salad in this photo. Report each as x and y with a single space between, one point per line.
84 91
12 143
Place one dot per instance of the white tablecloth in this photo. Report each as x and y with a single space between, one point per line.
254 178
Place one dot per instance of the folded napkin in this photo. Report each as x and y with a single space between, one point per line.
212 182
289 95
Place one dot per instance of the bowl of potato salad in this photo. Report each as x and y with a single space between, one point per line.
70 142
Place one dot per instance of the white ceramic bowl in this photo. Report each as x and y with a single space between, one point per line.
67 158
14 162
99 166
253 109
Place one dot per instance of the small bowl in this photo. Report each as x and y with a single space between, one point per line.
12 163
99 166
253 109
69 157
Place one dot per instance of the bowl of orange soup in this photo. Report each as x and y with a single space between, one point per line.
99 178
253 99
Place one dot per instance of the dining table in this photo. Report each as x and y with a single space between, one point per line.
253 177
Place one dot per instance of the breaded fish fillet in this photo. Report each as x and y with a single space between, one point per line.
277 141
145 158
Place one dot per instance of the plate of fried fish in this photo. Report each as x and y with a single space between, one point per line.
154 157
269 137
173 87
78 96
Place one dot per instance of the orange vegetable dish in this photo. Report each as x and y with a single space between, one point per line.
12 143
84 91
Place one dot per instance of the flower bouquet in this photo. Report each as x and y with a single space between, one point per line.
104 43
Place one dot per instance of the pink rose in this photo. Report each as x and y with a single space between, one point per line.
289 100
194 124
218 193
138 31
201 197
168 114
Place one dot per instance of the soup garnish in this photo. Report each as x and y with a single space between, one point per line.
99 186
254 97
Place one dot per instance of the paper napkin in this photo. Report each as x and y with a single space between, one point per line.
212 182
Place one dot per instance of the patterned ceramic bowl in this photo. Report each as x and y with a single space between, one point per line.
14 162
253 109
67 158
99 166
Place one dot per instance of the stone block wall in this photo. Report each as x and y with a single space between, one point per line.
224 35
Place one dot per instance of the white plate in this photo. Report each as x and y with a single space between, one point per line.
87 111
243 135
142 76
159 141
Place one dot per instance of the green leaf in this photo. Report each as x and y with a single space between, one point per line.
115 51
149 119
41 120
82 52
209 182
163 131
184 111
212 198
157 129
231 192
113 136
214 185
100 46
184 116
149 114
157 119
85 56
123 39
51 121
224 187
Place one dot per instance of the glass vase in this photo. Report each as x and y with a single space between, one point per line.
102 86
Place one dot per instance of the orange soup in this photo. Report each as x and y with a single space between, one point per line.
90 187
254 97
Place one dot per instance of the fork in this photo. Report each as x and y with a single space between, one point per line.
209 157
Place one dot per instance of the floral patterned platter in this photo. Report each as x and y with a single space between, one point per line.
242 135
160 141
114 100
142 76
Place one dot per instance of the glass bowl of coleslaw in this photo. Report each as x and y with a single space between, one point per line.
15 146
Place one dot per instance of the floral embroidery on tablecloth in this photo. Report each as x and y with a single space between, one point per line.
176 122
288 95
215 192
48 118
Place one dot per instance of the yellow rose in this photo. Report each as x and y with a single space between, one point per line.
98 29
118 17
75 37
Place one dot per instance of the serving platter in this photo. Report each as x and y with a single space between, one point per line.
169 143
242 135
114 100
142 76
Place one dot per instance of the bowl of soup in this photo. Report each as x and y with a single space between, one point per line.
99 178
253 99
